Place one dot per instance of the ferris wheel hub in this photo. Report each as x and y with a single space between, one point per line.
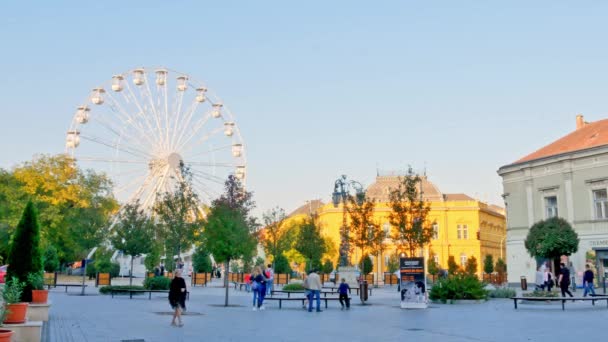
174 160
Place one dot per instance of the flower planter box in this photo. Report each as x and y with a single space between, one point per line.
5 335
103 279
40 296
38 312
17 313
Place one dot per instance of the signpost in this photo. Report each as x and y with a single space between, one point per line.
412 279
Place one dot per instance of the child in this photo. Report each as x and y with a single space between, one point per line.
343 290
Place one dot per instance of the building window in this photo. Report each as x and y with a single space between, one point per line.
435 231
600 203
463 259
436 258
462 232
550 206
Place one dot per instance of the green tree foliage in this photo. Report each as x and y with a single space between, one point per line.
453 267
366 264
409 214
201 261
179 216
551 238
51 260
488 264
25 256
152 259
459 286
471 266
328 266
74 206
230 232
133 233
277 237
281 265
310 243
104 264
393 263
365 232
501 267
432 266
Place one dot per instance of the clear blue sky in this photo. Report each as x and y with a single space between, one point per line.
324 88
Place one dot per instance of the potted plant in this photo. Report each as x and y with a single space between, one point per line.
5 334
39 294
11 294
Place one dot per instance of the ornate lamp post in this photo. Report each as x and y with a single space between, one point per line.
342 187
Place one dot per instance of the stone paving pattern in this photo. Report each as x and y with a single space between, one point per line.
100 318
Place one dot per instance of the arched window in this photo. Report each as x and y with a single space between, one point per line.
463 259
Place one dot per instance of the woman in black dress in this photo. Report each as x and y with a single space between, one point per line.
177 297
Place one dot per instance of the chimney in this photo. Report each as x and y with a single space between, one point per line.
580 123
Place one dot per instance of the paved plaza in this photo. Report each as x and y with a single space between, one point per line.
101 318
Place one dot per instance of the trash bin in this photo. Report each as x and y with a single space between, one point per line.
524 283
363 290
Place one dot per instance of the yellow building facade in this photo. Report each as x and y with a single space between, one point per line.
456 220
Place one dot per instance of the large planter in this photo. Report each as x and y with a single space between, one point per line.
17 313
40 296
5 335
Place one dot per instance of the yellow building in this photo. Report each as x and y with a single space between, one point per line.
456 219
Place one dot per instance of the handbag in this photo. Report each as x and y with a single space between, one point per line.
255 285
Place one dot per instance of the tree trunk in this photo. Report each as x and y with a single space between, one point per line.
131 273
226 272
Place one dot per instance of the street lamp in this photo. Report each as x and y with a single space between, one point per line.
342 187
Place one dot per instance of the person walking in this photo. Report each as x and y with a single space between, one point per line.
255 286
564 280
261 280
548 278
343 291
588 281
540 279
177 297
314 284
269 283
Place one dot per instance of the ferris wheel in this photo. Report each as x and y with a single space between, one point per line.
145 124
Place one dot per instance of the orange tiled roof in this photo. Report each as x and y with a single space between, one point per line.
590 135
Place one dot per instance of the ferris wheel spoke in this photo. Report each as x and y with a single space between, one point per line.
209 176
158 181
157 117
208 164
106 160
201 140
127 120
209 151
181 128
130 184
141 112
204 188
123 134
194 130
128 150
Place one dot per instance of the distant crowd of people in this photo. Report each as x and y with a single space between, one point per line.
546 280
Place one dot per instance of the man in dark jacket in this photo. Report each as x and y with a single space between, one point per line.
588 281
564 280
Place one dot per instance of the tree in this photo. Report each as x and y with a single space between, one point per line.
328 266
501 267
277 238
409 215
51 260
133 233
432 266
230 232
393 263
453 267
471 266
551 238
201 261
310 243
153 257
281 265
365 232
25 256
179 215
488 264
366 264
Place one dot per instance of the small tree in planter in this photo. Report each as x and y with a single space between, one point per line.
550 239
471 266
12 294
488 265
36 281
5 334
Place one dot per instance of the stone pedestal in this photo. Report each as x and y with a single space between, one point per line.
30 331
350 274
38 312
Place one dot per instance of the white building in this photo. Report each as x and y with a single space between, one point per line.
567 178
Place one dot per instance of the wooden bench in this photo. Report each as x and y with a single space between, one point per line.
562 299
324 293
281 299
351 289
66 286
143 291
240 285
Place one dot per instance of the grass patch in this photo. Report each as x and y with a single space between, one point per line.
293 287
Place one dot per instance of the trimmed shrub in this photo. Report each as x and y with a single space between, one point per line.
201 261
502 292
537 293
294 287
107 289
459 286
368 266
281 265
51 260
157 283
